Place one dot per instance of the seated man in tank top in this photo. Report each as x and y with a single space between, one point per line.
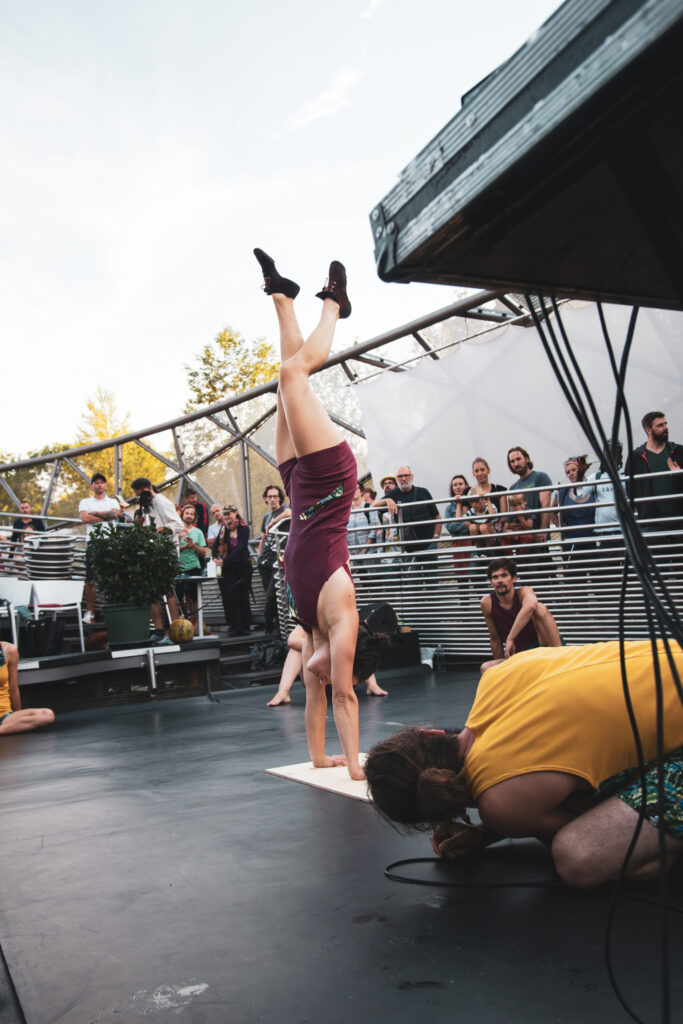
516 619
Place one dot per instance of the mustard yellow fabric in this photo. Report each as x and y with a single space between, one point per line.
562 709
5 706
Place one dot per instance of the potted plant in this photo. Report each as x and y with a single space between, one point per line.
134 567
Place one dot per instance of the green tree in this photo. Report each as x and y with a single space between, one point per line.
101 421
229 365
30 483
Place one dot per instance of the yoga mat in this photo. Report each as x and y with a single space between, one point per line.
334 780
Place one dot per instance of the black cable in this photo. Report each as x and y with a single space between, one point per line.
659 607
393 876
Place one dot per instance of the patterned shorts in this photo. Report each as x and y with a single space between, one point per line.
627 786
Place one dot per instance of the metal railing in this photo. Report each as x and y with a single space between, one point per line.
437 589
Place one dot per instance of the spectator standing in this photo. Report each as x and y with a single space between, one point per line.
363 528
231 553
657 455
23 525
456 525
388 483
153 505
495 492
200 510
94 511
279 513
411 525
538 502
193 550
607 526
576 508
214 529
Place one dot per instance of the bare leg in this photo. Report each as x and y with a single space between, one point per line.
590 850
156 616
26 720
546 627
290 673
308 425
373 689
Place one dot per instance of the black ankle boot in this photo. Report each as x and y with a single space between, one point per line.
273 283
335 288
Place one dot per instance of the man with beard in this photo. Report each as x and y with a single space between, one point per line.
515 618
657 455
537 502
413 529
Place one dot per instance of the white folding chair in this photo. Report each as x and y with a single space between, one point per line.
58 595
15 592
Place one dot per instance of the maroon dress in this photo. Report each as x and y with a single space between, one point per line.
320 488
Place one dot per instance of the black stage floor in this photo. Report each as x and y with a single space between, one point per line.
152 870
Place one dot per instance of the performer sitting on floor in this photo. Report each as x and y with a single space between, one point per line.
12 717
548 751
319 472
515 618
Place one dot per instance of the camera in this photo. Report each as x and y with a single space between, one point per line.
145 499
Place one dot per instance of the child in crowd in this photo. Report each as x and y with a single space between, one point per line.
513 525
479 519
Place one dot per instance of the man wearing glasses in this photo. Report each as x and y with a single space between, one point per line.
416 534
277 513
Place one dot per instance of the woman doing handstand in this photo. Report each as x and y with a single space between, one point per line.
319 472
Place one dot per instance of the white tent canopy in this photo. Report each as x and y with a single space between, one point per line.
499 391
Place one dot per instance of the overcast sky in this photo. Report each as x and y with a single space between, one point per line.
148 146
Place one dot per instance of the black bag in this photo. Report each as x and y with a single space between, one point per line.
267 558
41 638
268 655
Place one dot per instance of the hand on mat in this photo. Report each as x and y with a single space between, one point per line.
456 840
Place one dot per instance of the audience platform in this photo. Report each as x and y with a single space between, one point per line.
153 870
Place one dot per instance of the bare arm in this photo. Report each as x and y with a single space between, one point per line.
316 708
99 517
12 658
285 514
341 617
529 605
438 525
496 643
544 497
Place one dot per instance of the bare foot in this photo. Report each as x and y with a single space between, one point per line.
375 690
279 698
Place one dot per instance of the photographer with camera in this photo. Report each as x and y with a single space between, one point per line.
157 509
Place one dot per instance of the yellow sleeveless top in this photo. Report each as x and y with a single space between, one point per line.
5 706
562 709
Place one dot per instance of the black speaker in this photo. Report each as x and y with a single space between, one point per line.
379 618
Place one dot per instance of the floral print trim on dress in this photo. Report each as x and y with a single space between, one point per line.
310 512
